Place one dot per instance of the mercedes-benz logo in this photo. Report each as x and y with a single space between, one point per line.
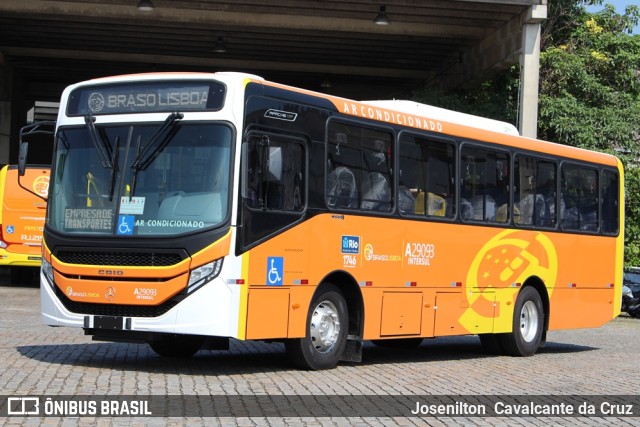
109 293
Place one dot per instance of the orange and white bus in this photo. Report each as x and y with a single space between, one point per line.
22 210
186 209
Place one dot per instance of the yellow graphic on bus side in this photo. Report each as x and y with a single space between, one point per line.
498 271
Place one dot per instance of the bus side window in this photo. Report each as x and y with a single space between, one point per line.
484 181
359 167
609 202
579 198
275 174
341 189
534 192
375 187
411 169
285 178
427 172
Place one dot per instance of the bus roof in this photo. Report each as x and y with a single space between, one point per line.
440 120
437 113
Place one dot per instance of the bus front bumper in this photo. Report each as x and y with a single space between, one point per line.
212 310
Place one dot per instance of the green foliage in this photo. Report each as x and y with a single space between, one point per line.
589 92
590 98
632 210
589 87
497 99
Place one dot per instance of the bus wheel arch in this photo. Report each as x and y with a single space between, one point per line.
539 285
530 320
333 326
353 296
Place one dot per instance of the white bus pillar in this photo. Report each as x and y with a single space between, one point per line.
5 111
530 71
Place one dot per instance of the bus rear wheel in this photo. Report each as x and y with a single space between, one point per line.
528 324
326 335
177 346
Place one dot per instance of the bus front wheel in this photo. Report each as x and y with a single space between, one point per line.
326 335
528 324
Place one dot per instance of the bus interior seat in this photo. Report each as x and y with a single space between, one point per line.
466 209
341 188
484 204
533 211
375 189
376 194
406 202
436 205
589 219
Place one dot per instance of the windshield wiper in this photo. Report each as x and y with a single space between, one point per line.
98 142
114 170
151 149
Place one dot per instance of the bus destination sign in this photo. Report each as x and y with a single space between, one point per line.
147 97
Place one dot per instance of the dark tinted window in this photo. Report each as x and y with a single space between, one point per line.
427 177
359 168
610 204
534 196
579 198
484 185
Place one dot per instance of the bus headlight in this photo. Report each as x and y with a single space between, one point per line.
201 275
47 269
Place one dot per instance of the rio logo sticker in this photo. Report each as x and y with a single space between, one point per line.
275 270
509 258
350 250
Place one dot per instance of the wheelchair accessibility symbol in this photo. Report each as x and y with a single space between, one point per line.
125 224
275 266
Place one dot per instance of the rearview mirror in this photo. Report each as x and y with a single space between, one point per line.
22 158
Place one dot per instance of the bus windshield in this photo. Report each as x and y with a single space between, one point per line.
140 179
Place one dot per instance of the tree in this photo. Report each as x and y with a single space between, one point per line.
589 87
589 92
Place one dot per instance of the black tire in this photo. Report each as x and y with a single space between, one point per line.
528 325
398 343
24 275
16 275
491 343
177 346
328 318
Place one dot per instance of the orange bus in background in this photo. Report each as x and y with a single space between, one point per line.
22 212
186 209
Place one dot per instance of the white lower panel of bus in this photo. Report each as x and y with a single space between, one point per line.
212 310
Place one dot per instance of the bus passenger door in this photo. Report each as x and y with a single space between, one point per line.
273 185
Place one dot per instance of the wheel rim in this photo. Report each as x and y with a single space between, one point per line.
529 321
324 327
